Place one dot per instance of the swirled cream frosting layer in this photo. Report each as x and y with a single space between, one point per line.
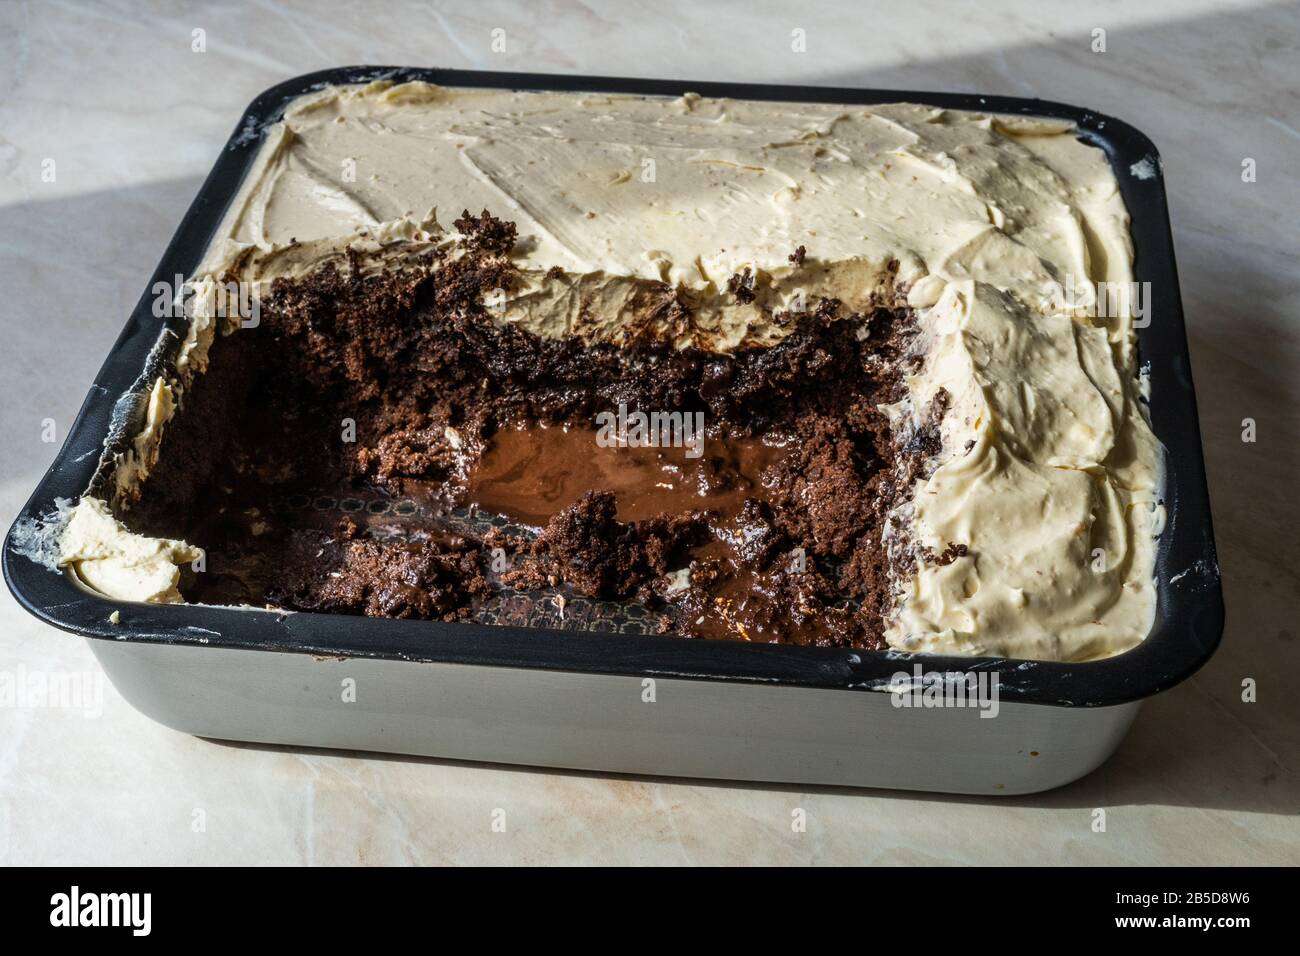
997 229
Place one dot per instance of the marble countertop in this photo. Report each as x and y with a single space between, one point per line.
120 103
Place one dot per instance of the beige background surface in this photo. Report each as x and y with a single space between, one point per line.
133 118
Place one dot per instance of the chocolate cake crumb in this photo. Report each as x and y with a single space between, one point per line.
600 556
741 285
426 580
947 556
798 255
486 233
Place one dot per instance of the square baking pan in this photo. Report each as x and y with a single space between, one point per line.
636 703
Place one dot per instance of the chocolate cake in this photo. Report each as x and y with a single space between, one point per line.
767 372
397 387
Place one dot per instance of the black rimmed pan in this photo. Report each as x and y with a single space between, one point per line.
639 704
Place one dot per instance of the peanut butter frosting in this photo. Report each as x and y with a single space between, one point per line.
995 229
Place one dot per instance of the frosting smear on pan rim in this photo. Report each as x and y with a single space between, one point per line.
949 263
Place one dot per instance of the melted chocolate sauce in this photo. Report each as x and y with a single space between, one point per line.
531 474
